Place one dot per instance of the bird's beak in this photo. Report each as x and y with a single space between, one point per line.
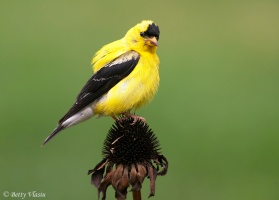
152 42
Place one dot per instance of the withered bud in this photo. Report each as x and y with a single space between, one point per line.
130 153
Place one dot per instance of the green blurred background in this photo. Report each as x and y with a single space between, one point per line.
215 114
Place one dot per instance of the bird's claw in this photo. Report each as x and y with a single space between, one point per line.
138 118
127 116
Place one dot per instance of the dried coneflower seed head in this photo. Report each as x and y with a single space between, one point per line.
128 144
130 154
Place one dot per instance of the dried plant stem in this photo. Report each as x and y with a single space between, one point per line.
136 195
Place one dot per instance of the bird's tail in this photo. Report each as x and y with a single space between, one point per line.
57 130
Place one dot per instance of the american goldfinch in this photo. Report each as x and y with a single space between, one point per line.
125 77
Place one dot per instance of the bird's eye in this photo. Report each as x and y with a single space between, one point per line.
142 34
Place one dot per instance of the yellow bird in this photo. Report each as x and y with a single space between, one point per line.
126 76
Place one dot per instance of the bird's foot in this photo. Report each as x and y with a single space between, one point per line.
128 115
115 118
118 120
135 117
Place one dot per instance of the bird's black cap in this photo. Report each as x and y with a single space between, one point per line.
152 31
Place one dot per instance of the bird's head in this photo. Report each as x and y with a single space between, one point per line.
143 36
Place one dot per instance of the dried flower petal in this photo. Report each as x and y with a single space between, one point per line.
97 173
152 175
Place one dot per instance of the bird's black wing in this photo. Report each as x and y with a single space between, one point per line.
103 80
